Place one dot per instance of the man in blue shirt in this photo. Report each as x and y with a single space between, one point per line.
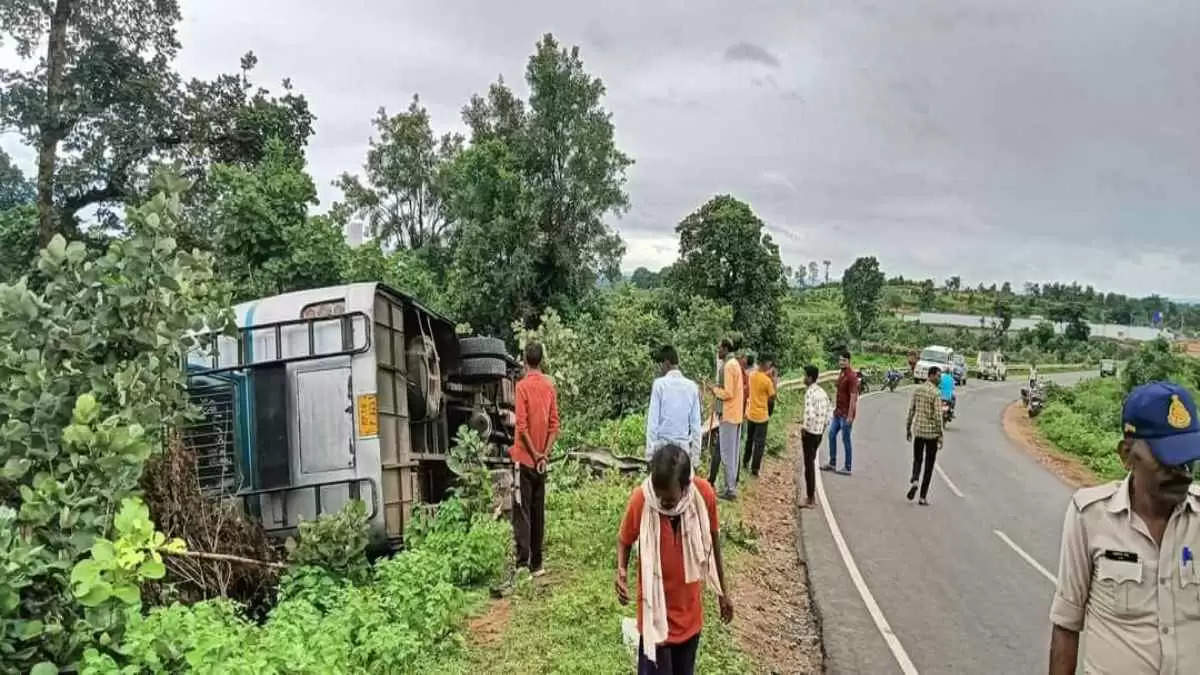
946 386
674 414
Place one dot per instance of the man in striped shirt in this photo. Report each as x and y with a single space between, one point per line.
924 430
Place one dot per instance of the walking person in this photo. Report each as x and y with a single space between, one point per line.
924 430
672 517
1128 557
844 411
537 429
674 413
731 412
817 413
762 392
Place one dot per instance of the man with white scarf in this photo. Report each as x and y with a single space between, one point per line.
672 517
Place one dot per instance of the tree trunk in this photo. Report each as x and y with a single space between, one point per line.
52 131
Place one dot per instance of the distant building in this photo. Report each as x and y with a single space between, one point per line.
1104 330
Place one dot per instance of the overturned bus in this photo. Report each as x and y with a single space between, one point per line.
340 393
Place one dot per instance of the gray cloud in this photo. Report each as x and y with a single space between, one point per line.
1040 141
752 53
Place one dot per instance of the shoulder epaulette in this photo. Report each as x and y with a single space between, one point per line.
1088 496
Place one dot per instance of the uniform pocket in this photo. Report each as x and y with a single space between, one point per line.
1117 588
1188 599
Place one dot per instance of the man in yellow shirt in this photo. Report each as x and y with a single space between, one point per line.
731 412
758 415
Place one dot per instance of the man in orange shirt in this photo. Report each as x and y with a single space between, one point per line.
537 429
672 517
762 392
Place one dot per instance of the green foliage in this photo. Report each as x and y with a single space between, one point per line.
401 199
530 194
116 569
15 190
18 241
467 461
861 285
92 379
406 618
336 542
726 255
603 362
1154 362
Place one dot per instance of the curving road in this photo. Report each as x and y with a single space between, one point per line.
950 588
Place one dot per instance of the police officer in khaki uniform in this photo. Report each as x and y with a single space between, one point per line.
1127 577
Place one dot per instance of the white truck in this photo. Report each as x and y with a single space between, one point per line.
991 366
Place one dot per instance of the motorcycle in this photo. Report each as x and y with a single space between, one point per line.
864 381
1033 399
892 379
947 412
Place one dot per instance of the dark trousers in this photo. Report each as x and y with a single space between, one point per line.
677 659
529 518
810 443
924 453
756 444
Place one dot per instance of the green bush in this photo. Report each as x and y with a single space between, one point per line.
405 617
335 541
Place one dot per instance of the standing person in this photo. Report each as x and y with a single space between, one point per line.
817 413
924 430
1128 558
844 411
749 368
731 412
674 413
762 392
672 517
537 429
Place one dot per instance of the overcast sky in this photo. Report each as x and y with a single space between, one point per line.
1017 140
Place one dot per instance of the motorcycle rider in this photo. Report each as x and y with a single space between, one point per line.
946 388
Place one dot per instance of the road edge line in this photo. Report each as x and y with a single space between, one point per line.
881 623
1028 558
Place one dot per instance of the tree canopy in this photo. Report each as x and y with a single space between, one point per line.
861 285
726 254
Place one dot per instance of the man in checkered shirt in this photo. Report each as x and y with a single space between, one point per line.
925 424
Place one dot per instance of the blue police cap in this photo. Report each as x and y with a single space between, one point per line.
1164 415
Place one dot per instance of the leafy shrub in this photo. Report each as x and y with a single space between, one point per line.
405 617
92 378
474 479
335 541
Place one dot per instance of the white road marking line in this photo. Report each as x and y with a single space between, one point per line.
949 483
1028 558
893 643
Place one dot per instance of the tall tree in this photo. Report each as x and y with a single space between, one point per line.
1004 313
954 284
401 198
726 255
861 285
645 279
814 273
927 298
99 100
531 194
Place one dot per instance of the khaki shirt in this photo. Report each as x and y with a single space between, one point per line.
1137 606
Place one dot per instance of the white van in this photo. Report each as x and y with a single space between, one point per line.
933 356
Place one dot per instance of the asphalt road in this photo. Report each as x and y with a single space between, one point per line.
957 597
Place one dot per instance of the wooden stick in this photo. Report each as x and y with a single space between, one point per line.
224 557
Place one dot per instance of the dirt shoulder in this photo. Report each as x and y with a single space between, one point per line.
776 624
1070 470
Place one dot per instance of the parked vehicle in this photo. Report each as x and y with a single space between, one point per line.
958 368
892 379
932 356
991 366
1108 368
1033 398
865 375
340 393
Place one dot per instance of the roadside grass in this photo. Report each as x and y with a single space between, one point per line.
571 621
1085 421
